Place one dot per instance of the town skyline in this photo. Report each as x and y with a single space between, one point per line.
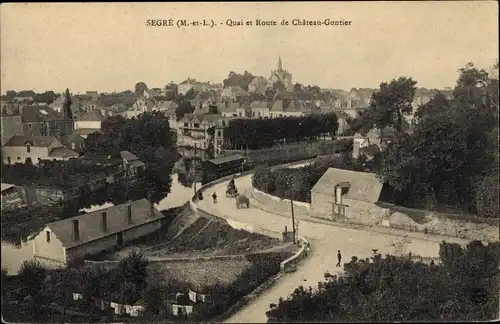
75 46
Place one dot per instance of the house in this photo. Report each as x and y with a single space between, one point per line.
233 92
74 141
258 85
21 149
260 109
85 132
58 104
344 195
230 109
93 94
44 121
10 126
293 107
342 118
222 166
132 165
185 86
71 240
168 108
90 120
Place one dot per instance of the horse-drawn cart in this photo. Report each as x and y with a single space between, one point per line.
242 201
231 192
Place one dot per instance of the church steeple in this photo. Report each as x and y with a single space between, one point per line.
280 65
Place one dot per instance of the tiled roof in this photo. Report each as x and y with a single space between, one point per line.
90 224
36 141
93 115
226 159
364 186
34 114
62 152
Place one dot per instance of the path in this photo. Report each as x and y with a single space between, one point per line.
325 240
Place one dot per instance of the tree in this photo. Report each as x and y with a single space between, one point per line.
388 106
134 272
140 87
68 113
438 104
32 274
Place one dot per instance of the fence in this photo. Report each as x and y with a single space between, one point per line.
423 259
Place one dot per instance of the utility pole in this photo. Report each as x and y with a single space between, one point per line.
194 169
291 206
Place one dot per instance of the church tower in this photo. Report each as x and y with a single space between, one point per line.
280 65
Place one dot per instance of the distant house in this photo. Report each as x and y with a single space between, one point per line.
44 121
342 118
379 137
90 120
260 109
71 240
73 141
57 104
293 107
93 94
20 149
343 194
131 164
230 109
222 166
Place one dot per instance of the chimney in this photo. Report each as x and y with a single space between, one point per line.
76 231
104 222
129 213
151 208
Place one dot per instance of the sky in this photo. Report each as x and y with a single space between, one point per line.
109 47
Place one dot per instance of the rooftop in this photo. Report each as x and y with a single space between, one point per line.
89 224
364 186
222 160
36 141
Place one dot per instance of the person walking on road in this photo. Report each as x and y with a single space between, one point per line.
214 196
339 258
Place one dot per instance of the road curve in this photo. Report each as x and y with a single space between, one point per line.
325 240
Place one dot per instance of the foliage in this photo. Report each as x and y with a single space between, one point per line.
68 113
452 148
281 181
134 272
32 274
238 80
388 106
139 88
149 137
183 108
394 289
261 133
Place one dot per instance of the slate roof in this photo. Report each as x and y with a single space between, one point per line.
364 186
222 160
35 114
62 152
90 224
94 115
36 141
292 106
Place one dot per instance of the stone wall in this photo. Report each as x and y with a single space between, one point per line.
443 225
277 203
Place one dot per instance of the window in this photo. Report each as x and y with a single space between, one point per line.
185 124
196 125
219 133
73 146
19 158
29 125
47 236
28 148
253 114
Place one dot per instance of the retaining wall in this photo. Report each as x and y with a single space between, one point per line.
277 203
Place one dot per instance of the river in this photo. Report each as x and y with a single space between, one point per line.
13 257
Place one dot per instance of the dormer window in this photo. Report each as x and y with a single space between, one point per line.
28 148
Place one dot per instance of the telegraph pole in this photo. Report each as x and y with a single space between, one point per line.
194 169
291 206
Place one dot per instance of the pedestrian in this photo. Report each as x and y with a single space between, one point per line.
214 196
339 258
